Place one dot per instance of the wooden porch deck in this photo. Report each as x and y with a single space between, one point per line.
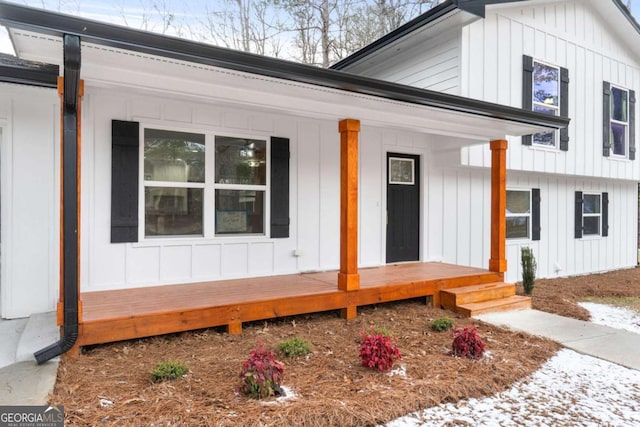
117 315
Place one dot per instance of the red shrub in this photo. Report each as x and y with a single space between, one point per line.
378 351
261 374
467 343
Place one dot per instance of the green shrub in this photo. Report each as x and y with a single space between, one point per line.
294 347
261 374
168 370
528 270
442 324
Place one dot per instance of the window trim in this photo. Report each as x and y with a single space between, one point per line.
592 215
209 186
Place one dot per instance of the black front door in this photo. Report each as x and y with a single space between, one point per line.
403 207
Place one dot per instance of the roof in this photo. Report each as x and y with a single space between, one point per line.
56 24
473 9
16 70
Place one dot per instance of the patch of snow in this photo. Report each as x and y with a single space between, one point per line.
400 370
614 317
287 394
570 389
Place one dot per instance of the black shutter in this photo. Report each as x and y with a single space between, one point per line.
279 187
578 215
124 181
564 107
535 214
527 90
632 125
606 118
605 214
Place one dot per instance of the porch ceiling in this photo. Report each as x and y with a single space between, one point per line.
116 56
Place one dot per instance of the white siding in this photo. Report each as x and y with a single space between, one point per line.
315 185
29 190
567 34
433 64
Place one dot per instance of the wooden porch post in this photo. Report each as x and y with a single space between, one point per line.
498 261
348 277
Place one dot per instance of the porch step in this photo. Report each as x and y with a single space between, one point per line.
452 298
515 302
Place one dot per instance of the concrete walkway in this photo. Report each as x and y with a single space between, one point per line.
22 380
615 345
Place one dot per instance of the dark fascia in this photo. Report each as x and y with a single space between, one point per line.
627 14
15 70
475 7
55 24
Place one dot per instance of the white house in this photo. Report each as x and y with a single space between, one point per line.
572 194
135 164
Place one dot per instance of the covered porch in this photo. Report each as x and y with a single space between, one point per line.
116 315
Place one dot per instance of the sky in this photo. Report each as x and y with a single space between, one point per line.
112 11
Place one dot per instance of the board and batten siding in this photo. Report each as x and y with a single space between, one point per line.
460 222
29 188
433 64
566 34
314 196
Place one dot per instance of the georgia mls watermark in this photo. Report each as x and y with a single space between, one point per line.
31 416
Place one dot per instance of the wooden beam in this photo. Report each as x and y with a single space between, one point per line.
348 277
498 261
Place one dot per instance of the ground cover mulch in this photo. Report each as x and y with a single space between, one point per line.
560 296
110 384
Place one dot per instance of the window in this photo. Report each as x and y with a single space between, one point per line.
523 214
546 90
176 179
518 214
619 121
196 184
592 214
546 98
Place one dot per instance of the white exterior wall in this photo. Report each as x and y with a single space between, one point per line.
433 64
567 34
315 198
29 191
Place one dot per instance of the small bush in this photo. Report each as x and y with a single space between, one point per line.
442 324
294 347
168 370
467 343
528 269
261 374
378 351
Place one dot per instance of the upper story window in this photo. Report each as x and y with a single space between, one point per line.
182 169
546 99
618 121
546 90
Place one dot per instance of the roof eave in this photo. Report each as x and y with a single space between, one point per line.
31 19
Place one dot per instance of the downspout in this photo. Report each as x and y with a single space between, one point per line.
70 223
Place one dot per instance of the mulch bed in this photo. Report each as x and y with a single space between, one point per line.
110 384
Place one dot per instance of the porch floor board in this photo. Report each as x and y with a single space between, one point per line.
121 314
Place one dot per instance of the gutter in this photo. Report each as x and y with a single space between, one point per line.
19 71
70 202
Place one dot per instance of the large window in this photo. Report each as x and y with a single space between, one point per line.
518 214
546 99
182 170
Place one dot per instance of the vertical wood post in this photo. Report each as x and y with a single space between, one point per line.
348 277
498 261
